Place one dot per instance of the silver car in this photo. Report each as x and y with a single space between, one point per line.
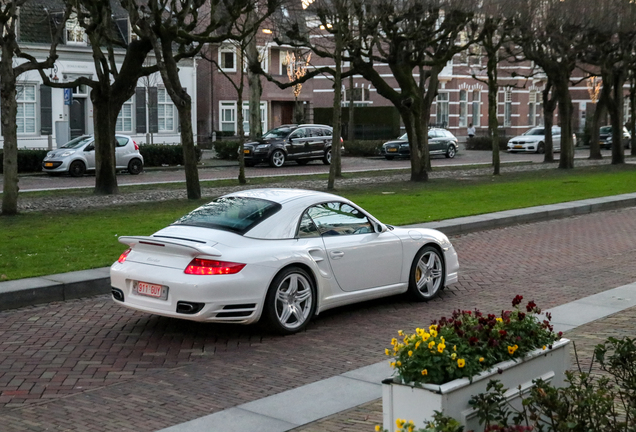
78 156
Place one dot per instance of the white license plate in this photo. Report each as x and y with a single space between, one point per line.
151 290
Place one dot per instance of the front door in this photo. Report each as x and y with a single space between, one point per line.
287 113
78 117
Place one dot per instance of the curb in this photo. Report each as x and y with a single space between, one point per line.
84 283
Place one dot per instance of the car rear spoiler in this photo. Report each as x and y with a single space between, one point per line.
177 245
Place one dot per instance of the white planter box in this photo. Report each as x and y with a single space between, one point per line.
420 403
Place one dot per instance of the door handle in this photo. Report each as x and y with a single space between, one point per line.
336 254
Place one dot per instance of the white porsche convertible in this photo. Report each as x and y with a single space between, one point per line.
283 255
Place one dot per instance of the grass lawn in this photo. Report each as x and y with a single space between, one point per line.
36 244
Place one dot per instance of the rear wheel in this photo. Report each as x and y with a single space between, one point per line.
135 167
326 159
77 169
290 301
451 152
427 274
277 159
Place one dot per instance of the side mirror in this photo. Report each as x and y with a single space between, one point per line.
380 228
89 148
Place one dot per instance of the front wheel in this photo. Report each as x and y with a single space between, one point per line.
541 148
77 169
427 274
327 157
135 167
451 152
290 301
277 159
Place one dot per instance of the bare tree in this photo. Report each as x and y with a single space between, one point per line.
10 70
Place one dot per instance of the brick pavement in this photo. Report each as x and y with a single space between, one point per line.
92 365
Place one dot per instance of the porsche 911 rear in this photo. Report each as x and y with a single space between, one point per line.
188 280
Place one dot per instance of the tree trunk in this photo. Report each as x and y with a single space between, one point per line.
616 116
255 89
493 124
193 186
337 113
105 176
351 129
549 104
241 132
599 114
566 160
9 110
632 108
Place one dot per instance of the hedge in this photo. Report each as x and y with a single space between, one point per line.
28 160
226 149
484 142
164 154
363 148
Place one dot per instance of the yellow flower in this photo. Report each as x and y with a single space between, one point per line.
461 363
410 353
424 372
406 339
387 352
442 339
411 427
378 428
432 327
499 320
431 344
453 356
393 341
400 423
434 333
419 331
399 363
417 344
454 347
440 348
400 332
392 364
425 337
481 359
511 350
544 347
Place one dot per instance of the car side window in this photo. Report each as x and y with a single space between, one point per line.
121 142
307 227
327 132
337 218
316 132
299 133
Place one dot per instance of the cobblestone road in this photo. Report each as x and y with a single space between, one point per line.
91 365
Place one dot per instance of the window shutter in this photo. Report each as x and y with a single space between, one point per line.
46 111
153 115
140 115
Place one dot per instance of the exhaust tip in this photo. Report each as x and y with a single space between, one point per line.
117 294
189 308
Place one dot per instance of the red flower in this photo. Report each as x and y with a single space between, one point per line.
531 305
521 316
517 300
503 333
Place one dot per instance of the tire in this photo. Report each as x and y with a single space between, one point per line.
277 159
77 169
135 167
541 148
290 302
451 152
389 157
326 159
302 161
426 278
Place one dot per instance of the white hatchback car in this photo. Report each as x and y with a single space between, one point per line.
78 156
283 255
533 141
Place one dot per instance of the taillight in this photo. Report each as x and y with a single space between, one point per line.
200 266
341 140
123 256
136 146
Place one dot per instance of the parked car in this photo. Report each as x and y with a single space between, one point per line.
533 140
78 156
440 141
605 137
300 143
281 255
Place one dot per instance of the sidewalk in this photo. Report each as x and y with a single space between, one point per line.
66 286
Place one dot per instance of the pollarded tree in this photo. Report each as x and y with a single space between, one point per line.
416 39
549 32
14 61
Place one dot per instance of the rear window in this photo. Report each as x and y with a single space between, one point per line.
236 214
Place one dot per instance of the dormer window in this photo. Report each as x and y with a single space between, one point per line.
75 34
227 58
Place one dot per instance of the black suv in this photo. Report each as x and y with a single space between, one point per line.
440 141
301 143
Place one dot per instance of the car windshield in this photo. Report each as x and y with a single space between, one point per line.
404 137
535 131
280 132
77 142
236 214
606 130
